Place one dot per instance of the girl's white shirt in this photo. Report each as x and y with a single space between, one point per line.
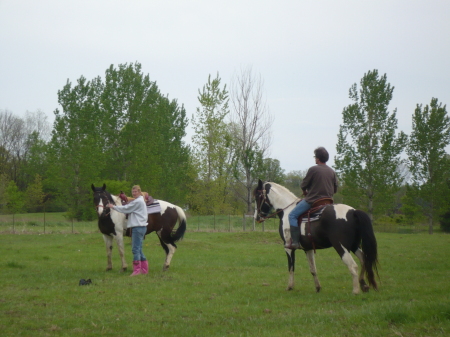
137 210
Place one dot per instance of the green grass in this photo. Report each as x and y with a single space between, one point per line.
219 284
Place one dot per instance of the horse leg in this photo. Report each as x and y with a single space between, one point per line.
352 267
291 267
120 245
312 268
362 282
170 249
108 245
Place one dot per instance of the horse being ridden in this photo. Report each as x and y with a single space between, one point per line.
339 226
111 223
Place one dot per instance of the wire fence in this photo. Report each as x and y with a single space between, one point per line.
56 223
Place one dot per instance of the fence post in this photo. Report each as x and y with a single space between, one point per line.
243 222
229 222
14 227
214 221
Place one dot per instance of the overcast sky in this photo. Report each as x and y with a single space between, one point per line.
308 53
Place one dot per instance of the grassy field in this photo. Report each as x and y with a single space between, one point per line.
219 284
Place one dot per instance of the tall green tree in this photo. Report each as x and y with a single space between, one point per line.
76 149
4 181
34 195
368 150
15 202
272 171
12 138
212 150
293 181
119 129
427 159
144 131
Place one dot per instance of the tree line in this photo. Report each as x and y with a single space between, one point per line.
121 130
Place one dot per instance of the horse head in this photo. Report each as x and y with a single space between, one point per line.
262 201
101 199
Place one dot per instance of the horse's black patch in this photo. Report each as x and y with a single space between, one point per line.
106 226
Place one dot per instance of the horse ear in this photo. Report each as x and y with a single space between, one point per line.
104 187
260 184
93 187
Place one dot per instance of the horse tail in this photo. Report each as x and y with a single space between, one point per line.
179 233
369 246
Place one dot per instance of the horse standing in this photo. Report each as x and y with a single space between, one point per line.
339 226
112 223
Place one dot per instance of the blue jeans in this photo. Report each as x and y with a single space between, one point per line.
298 210
137 238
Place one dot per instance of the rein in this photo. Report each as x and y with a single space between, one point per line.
264 218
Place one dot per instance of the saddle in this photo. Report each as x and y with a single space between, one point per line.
147 198
315 208
313 212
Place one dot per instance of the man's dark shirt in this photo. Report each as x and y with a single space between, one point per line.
320 182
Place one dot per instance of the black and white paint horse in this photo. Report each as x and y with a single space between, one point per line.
114 224
339 226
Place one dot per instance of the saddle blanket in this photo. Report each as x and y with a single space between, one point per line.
313 217
155 207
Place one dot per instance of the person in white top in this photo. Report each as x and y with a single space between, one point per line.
137 221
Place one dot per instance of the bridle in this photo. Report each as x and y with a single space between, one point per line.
103 194
262 196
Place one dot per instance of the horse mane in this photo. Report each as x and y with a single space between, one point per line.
282 188
110 196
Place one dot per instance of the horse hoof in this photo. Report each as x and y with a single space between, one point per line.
318 289
365 289
289 288
165 268
123 270
108 269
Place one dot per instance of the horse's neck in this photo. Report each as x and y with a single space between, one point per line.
280 198
116 200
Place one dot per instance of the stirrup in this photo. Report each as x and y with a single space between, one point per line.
291 246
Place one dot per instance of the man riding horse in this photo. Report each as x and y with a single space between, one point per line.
320 182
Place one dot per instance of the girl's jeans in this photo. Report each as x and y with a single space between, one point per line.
137 238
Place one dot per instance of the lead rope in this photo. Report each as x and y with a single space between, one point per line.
275 213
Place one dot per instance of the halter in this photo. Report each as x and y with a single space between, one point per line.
103 193
263 196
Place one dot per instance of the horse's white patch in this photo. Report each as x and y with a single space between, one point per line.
119 219
341 211
100 207
303 228
352 267
164 206
347 257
